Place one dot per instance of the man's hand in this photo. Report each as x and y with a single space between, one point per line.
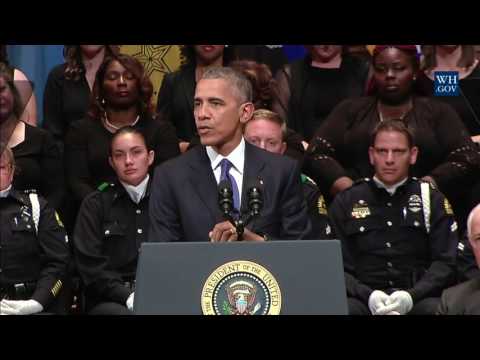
20 307
251 236
223 231
377 303
401 302
130 300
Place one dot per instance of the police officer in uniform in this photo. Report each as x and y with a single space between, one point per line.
398 233
34 253
112 224
267 130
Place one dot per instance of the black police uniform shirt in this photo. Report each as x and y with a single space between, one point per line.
317 209
385 242
109 231
38 262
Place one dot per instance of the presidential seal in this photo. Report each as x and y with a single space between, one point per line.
241 288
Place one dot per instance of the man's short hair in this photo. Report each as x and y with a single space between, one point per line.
264 114
397 125
235 78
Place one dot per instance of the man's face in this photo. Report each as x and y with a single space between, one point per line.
475 237
219 114
265 134
391 157
130 158
6 173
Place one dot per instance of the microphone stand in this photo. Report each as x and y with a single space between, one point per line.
255 204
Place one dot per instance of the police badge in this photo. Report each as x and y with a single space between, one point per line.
414 203
360 210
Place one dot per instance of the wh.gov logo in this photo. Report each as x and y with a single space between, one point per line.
446 83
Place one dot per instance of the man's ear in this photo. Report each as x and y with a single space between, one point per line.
110 161
246 112
370 154
284 148
413 155
151 157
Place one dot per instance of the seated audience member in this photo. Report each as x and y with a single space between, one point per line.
467 267
39 162
398 233
24 87
309 88
121 97
184 200
267 130
464 298
461 59
264 92
338 153
69 85
112 224
34 250
175 98
273 56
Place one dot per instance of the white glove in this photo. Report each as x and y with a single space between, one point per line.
401 302
20 307
130 301
377 302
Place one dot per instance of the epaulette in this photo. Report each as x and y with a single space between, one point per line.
361 181
425 181
307 180
105 185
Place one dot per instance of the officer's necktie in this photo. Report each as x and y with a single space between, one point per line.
226 165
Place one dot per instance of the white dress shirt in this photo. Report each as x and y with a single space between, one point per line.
236 157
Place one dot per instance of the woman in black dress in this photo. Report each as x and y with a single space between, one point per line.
68 88
461 59
309 88
121 97
338 153
39 162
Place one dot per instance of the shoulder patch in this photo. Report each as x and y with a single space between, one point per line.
322 206
307 180
59 221
104 186
447 207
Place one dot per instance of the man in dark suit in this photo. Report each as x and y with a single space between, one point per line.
464 299
184 199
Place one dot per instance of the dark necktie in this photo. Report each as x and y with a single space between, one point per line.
226 165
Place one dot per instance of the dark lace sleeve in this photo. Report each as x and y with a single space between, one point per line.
462 162
322 161
281 92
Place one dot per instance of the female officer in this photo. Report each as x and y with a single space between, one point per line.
111 225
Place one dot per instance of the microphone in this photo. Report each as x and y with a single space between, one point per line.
225 197
255 198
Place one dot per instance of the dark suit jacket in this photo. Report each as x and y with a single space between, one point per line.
175 101
184 198
463 299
